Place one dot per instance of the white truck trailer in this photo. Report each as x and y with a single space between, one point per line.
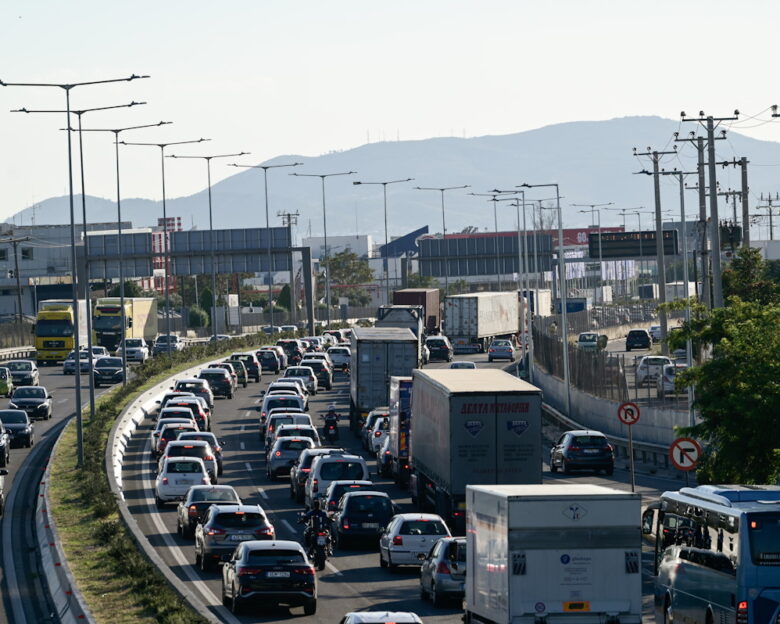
553 554
473 321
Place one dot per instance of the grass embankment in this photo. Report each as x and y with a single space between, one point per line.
117 582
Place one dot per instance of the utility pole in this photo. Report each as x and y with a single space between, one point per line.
770 210
743 163
290 219
709 122
15 242
659 237
733 194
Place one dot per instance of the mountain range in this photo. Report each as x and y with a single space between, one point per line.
592 161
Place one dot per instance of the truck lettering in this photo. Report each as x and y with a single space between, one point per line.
495 408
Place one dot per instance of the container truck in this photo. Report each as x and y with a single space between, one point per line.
469 427
377 354
140 321
408 316
472 321
54 329
400 403
553 553
428 298
544 306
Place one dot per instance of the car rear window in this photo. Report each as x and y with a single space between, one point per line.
436 343
342 489
334 471
651 361
171 432
308 432
295 445
213 376
590 441
241 520
184 467
637 333
274 557
187 451
213 495
423 527
282 401
369 504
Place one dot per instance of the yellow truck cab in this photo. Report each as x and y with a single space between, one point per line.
140 321
55 327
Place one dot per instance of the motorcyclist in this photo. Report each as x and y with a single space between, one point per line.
316 521
332 419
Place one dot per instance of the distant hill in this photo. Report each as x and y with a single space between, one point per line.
591 160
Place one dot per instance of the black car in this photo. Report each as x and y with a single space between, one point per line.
107 370
269 361
269 573
219 380
23 372
18 427
439 348
251 363
198 500
638 339
34 400
322 371
361 515
582 449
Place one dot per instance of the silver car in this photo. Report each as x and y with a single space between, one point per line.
443 572
283 454
501 350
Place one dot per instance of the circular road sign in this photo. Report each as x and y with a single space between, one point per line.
685 453
628 413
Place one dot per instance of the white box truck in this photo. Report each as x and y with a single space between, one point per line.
472 321
553 554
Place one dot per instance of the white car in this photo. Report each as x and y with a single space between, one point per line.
380 617
335 467
303 372
655 332
283 418
176 476
297 431
169 433
137 350
378 433
665 381
161 422
408 539
192 448
649 368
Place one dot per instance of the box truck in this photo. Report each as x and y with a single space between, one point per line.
553 553
56 328
472 321
542 307
140 321
479 426
378 353
428 298
400 402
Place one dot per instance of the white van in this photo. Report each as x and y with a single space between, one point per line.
328 468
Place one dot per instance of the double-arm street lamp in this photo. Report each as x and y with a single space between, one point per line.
442 189
165 245
322 177
596 209
387 260
208 160
68 87
265 169
494 198
123 316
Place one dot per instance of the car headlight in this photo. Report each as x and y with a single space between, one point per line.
12 405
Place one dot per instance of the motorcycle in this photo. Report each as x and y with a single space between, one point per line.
321 549
331 432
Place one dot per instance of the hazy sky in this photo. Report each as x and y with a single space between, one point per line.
308 77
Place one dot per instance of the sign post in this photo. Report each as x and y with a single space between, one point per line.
628 414
685 454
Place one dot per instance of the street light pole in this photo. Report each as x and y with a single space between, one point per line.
123 315
67 87
494 198
387 242
595 209
208 160
165 249
322 177
442 189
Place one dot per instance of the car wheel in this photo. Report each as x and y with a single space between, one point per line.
610 470
310 608
565 467
225 602
436 598
382 562
159 502
292 492
553 467
235 604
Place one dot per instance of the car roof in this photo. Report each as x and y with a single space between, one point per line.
379 617
192 380
232 507
590 432
368 493
273 545
350 482
419 516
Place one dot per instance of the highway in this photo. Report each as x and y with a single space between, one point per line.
352 579
24 598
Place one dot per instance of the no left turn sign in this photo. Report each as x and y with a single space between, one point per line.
628 413
685 453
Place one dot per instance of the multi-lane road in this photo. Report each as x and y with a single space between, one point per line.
352 579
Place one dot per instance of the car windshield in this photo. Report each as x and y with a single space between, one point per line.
502 343
30 393
164 339
294 445
296 372
637 333
107 322
333 471
185 467
53 328
241 520
297 432
274 557
216 494
267 355
19 366
422 527
133 342
12 418
200 436
109 362
590 441
588 337
463 365
370 504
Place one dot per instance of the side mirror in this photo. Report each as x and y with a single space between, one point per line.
51 396
647 522
158 402
262 392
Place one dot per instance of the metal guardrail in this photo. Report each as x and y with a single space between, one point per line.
17 352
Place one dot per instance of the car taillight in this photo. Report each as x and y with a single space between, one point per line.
278 453
377 434
208 458
315 486
491 350
269 530
165 481
305 571
215 532
249 571
398 541
575 448
332 504
345 523
742 612
387 452
192 510
443 568
305 469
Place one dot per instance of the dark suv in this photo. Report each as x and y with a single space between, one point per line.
638 339
363 514
439 348
322 371
582 449
219 380
223 527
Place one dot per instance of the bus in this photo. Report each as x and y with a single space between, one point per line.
717 554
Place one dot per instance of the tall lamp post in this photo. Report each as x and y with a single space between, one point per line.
562 288
165 249
208 160
265 169
123 316
494 198
79 114
387 242
322 177
595 209
442 189
68 87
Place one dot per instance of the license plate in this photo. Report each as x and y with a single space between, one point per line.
183 482
591 451
321 540
370 525
278 574
240 538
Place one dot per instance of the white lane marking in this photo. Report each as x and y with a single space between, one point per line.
258 400
332 568
248 466
263 493
288 526
241 444
177 553
61 401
